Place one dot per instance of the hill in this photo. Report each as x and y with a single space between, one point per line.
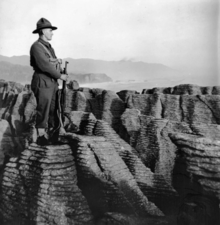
23 74
14 72
23 60
117 70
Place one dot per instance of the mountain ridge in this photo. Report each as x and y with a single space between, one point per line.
117 70
23 74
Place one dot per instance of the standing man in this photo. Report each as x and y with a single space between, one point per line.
47 71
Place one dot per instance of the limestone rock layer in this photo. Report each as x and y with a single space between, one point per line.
105 179
124 154
40 186
202 159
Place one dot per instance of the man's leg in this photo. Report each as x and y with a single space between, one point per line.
44 98
43 110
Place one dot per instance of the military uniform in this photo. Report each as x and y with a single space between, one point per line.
44 82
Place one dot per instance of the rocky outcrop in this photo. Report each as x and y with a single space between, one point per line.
197 178
106 180
201 155
40 186
155 186
105 105
6 96
18 106
87 78
73 84
184 103
80 122
150 137
183 108
9 144
132 155
125 94
22 112
181 111
184 89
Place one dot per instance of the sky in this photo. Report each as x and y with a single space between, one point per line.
181 34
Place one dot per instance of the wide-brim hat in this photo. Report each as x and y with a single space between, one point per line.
43 23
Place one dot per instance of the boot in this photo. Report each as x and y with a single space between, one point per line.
43 137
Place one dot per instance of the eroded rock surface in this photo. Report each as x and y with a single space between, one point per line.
105 105
185 89
80 122
198 177
202 158
133 155
40 186
183 110
106 180
154 185
9 145
186 108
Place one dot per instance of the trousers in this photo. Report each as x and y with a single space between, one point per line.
45 90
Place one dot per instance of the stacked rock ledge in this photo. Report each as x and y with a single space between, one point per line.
122 157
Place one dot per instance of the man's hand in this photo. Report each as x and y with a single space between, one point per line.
64 77
59 61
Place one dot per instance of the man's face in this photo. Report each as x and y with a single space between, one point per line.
48 33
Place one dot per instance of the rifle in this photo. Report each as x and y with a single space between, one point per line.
62 103
63 93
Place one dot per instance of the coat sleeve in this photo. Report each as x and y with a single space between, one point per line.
42 61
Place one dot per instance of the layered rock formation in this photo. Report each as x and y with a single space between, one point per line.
202 157
183 108
184 89
158 124
197 177
126 155
40 187
105 105
105 179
